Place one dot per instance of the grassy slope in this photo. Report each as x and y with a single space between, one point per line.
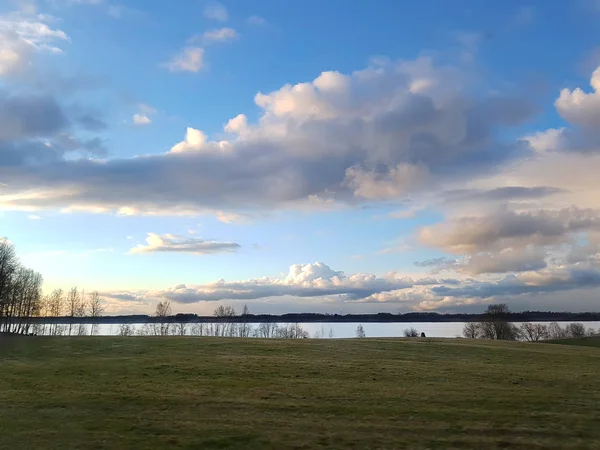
124 393
585 342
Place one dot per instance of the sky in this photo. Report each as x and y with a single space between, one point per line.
336 157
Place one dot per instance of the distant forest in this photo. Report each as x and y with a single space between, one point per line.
526 316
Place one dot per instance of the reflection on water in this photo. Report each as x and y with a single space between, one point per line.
312 330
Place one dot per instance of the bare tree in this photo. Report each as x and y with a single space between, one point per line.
126 329
245 328
95 309
163 312
471 330
330 333
8 267
20 292
555 331
575 330
591 332
181 329
496 325
360 332
290 331
224 325
411 332
266 330
534 332
197 329
56 304
73 306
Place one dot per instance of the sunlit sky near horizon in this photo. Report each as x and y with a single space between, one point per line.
338 156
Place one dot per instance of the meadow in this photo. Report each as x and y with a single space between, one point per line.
216 393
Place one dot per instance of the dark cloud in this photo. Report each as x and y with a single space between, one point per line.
509 229
502 194
536 283
434 262
91 122
29 116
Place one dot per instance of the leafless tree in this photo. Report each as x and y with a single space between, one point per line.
245 328
360 332
163 312
266 329
411 332
126 329
95 310
20 292
181 329
56 303
73 306
534 332
496 325
591 332
575 330
330 333
471 330
197 329
290 331
555 331
224 325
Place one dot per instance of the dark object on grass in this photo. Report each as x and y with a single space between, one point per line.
423 334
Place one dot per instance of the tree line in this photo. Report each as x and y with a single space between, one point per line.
496 325
227 324
25 310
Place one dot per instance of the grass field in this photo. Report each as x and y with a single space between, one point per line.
210 393
585 342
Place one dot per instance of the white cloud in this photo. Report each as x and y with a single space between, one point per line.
146 109
22 34
216 11
191 59
386 132
256 20
33 217
550 140
303 280
141 119
579 107
237 125
219 35
231 217
182 244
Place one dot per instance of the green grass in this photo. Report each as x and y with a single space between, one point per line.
593 341
210 393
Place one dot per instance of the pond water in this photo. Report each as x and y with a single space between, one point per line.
321 330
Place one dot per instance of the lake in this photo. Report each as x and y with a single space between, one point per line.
320 330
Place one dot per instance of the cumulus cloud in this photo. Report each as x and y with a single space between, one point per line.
303 280
183 244
317 281
216 11
190 59
579 107
390 130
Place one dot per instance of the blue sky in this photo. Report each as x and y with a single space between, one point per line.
388 151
